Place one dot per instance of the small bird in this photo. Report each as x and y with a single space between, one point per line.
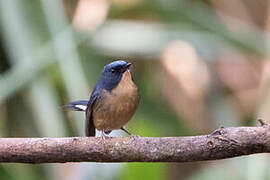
113 101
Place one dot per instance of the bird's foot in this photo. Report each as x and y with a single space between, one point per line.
134 137
104 136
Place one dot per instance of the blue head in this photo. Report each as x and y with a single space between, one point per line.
112 74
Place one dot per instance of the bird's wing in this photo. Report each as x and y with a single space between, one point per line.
90 129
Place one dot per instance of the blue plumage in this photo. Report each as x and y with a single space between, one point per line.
111 75
113 101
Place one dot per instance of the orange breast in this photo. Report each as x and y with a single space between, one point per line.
114 109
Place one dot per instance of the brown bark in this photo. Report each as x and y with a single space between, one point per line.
222 143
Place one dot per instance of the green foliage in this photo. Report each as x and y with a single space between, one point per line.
134 171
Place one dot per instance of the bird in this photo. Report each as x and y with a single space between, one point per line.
113 101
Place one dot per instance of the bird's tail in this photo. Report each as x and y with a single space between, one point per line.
80 105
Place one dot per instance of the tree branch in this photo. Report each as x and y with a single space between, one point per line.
222 143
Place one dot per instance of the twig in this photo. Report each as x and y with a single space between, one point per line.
223 143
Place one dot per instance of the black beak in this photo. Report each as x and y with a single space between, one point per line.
128 65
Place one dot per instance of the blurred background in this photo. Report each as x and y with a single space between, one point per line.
199 65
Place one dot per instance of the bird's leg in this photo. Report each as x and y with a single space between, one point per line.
107 132
129 133
103 135
126 131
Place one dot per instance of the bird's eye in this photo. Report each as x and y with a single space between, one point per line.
113 70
